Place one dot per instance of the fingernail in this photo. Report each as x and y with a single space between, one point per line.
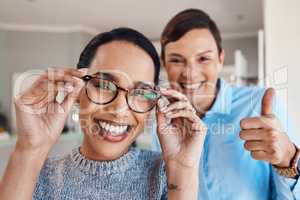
164 109
168 121
168 114
69 88
160 103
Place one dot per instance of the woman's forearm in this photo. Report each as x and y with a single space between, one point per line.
182 183
21 174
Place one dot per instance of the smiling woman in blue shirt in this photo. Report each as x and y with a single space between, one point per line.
247 153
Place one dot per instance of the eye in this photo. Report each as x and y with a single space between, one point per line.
145 94
103 84
150 95
203 59
176 60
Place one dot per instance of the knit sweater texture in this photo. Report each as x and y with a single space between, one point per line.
138 174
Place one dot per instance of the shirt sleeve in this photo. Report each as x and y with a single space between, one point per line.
284 187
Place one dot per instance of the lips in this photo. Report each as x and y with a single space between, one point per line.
191 86
115 130
112 131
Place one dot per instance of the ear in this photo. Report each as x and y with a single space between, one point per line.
221 60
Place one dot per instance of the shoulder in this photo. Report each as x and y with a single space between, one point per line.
54 163
51 175
150 158
246 100
151 161
54 166
247 93
148 155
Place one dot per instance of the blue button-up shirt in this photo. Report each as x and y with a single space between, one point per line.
227 170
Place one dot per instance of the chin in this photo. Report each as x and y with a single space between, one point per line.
103 150
107 137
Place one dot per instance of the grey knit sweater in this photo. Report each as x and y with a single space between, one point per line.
139 174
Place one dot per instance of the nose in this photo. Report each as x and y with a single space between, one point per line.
119 104
191 72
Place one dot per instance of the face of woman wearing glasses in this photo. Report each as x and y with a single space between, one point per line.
111 128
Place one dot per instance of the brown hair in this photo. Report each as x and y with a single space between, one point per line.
185 21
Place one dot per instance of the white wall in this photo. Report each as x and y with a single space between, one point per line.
282 29
249 48
21 51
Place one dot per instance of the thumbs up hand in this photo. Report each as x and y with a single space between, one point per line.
264 137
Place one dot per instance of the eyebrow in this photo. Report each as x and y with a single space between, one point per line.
111 77
106 76
201 53
204 52
142 84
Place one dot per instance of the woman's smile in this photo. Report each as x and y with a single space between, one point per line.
112 131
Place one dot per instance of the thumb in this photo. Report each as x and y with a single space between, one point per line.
267 100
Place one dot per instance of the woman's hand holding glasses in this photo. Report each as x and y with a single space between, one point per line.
181 133
180 130
40 117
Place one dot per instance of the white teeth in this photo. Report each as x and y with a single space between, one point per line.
192 86
113 129
106 127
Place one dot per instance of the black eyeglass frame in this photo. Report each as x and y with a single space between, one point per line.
87 78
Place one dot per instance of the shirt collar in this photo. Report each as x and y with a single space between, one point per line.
222 103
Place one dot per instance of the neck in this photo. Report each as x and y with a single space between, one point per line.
204 105
87 150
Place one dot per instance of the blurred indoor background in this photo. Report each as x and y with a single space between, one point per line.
261 40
